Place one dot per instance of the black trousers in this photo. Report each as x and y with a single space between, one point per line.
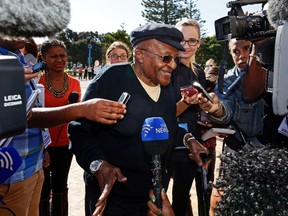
56 175
115 206
183 171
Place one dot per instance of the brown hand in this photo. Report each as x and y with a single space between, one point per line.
106 176
195 150
104 111
166 206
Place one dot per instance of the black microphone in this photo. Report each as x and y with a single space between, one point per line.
31 18
73 97
154 136
277 12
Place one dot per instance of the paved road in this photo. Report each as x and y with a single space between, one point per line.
76 183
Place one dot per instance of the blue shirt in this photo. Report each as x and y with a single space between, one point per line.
248 117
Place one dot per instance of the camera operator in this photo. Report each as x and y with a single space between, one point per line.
229 108
254 87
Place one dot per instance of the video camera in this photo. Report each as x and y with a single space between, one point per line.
270 24
237 25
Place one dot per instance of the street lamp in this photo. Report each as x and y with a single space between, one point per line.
89 54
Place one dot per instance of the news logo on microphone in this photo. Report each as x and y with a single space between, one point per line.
10 161
154 129
155 135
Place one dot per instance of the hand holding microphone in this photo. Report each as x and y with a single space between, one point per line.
154 136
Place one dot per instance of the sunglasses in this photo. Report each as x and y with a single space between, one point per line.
167 58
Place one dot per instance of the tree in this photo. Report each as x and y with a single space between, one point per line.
77 44
192 12
171 11
163 11
110 37
211 48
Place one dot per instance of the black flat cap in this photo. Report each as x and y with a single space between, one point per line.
162 32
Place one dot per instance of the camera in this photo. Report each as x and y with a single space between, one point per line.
237 25
273 55
38 67
12 97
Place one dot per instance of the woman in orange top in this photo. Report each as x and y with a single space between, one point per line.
58 91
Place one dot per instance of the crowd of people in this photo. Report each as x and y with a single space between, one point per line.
105 135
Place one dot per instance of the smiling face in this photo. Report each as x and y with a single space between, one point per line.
149 64
239 50
56 58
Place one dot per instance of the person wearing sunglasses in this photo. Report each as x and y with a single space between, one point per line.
118 174
188 113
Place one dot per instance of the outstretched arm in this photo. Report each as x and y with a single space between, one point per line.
100 110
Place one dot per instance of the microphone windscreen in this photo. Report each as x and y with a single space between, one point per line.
277 12
73 97
10 161
33 18
154 129
155 135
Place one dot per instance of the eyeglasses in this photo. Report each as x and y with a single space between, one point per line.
114 56
167 58
191 42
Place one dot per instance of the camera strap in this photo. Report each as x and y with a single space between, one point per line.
223 67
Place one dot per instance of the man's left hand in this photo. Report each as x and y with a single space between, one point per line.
106 176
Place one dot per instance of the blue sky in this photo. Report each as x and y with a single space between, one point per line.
106 16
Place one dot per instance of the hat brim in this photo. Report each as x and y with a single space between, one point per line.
171 42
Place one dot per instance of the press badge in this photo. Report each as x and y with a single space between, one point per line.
283 128
46 137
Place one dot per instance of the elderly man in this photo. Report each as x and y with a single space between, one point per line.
118 170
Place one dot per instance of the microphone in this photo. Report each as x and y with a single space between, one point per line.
31 18
277 12
10 161
154 137
73 97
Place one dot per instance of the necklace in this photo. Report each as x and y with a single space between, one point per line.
63 91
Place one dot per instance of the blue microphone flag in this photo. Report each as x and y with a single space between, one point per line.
10 161
153 129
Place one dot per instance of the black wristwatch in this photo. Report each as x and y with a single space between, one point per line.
95 166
